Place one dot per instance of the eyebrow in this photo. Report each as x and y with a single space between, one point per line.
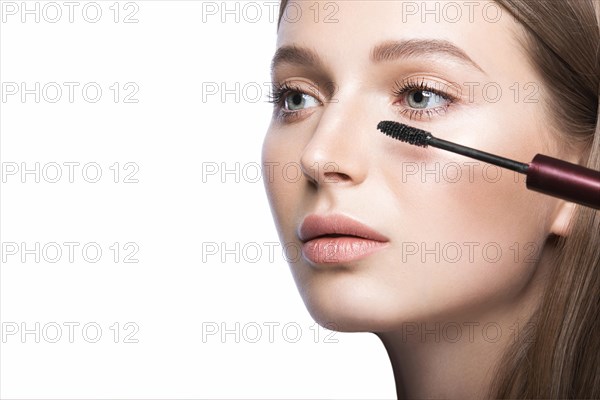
386 51
301 56
393 50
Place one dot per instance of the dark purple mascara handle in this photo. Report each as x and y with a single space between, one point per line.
564 180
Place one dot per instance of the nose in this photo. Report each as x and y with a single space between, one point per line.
337 152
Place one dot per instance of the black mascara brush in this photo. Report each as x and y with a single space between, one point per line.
545 174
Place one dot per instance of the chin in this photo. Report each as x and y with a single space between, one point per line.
344 305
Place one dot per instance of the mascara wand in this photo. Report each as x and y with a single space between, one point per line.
545 174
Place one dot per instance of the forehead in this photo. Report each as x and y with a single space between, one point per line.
351 29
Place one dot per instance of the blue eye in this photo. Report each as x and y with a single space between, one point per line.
295 101
423 99
419 98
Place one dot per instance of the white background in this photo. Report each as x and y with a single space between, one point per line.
177 219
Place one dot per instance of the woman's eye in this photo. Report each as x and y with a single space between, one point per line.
423 99
295 101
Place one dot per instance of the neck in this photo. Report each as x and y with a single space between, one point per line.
446 360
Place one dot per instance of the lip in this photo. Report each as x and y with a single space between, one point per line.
334 239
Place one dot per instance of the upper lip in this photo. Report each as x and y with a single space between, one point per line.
314 226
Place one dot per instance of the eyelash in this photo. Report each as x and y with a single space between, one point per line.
279 91
401 88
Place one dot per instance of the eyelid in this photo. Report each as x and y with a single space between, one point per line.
450 91
281 89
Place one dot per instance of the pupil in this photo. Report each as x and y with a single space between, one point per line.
297 99
418 97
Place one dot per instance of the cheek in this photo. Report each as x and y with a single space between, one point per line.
459 243
468 233
447 198
469 196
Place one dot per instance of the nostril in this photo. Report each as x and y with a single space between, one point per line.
334 177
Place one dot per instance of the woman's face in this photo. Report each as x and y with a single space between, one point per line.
459 239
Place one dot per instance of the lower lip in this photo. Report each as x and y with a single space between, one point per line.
336 250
